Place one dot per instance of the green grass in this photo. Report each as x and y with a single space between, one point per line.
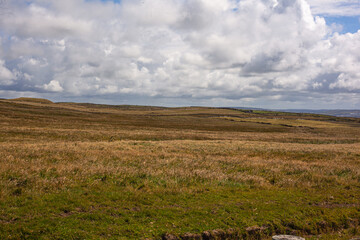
109 210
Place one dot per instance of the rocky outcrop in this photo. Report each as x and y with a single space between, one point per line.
217 234
287 237
251 233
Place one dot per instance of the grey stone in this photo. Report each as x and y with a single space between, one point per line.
287 237
168 236
190 236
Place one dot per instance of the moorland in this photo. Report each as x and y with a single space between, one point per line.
91 171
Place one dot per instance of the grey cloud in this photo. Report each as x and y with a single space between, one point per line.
6 76
38 22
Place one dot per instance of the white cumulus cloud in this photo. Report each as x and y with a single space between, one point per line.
53 86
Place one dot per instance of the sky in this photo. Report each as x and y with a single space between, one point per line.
277 54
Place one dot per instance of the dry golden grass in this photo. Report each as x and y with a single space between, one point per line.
247 162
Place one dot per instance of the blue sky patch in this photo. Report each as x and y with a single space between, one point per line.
115 1
350 24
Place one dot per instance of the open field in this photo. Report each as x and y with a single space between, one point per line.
85 171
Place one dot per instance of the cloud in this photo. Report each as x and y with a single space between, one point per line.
6 76
194 51
335 7
37 21
53 86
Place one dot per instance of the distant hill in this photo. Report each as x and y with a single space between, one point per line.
335 112
330 112
34 100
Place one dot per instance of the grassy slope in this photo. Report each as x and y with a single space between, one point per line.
74 171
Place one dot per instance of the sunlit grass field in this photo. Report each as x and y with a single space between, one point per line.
85 171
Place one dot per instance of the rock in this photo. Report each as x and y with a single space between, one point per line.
219 234
206 235
287 237
191 236
168 236
231 233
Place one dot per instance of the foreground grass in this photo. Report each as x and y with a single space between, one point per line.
72 171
